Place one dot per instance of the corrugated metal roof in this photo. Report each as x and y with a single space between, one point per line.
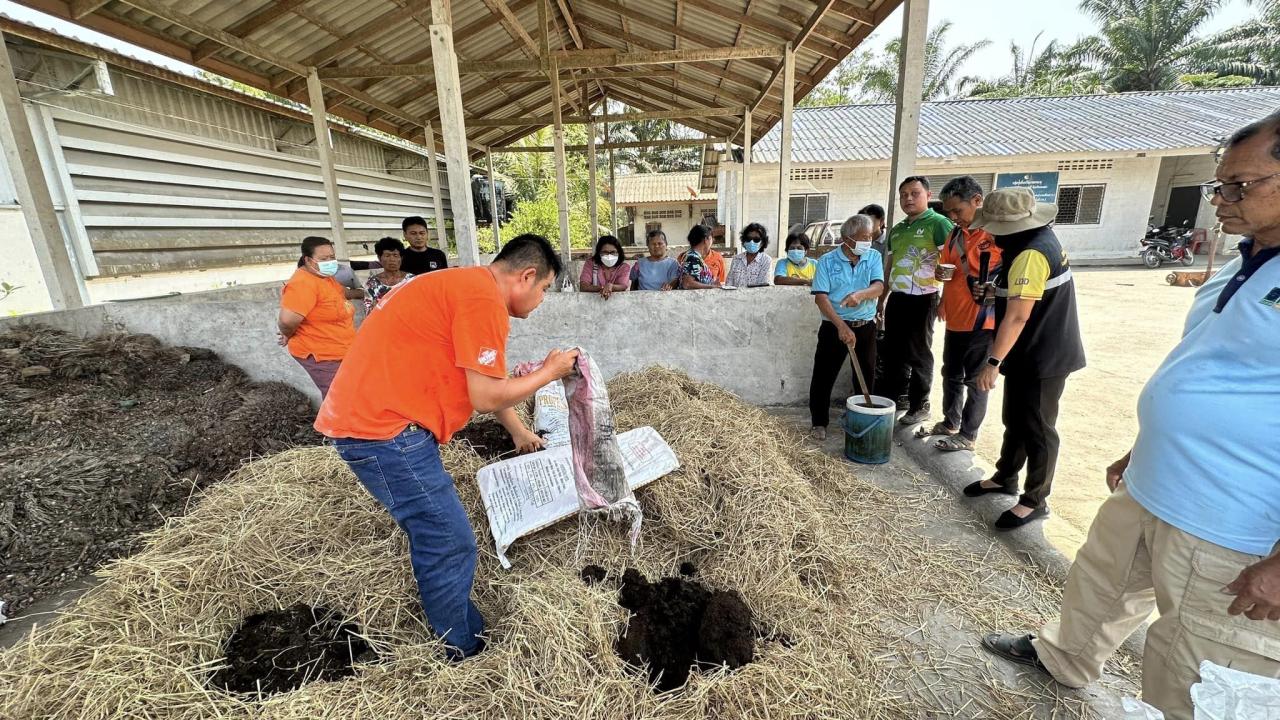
660 187
329 33
1128 122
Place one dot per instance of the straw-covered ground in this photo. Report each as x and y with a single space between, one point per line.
822 558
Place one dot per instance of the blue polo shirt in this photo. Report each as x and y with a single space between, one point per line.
1207 457
837 278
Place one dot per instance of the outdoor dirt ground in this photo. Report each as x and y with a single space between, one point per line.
1131 319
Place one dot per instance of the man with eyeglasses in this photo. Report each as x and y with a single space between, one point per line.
1192 527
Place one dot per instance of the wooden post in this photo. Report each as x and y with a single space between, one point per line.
562 181
453 130
324 147
57 268
906 125
433 169
591 180
744 203
493 203
784 153
613 180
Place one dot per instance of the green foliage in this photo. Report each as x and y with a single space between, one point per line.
1198 81
1048 72
873 77
1144 44
7 289
541 216
1251 49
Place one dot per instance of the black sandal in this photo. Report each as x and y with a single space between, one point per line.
977 489
1009 521
1015 648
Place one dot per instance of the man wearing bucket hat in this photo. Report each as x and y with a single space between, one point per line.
1037 345
1192 524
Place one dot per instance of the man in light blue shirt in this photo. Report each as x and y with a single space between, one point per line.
1193 523
846 286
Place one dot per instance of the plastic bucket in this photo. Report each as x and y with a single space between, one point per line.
868 431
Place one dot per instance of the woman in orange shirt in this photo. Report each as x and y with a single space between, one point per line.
316 321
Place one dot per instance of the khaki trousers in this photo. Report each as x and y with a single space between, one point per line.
1131 564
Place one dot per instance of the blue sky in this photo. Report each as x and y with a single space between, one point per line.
1019 21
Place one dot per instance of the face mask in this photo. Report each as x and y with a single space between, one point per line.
751 246
609 260
327 268
860 246
796 256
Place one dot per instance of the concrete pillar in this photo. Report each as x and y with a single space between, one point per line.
613 180
324 147
562 180
433 170
493 202
453 130
592 198
744 202
784 154
906 125
56 265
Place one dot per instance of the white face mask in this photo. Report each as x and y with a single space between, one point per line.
859 246
609 260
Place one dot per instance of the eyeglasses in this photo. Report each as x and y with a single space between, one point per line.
1231 192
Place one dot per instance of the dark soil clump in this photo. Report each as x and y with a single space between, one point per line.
679 624
282 650
688 569
593 575
488 438
104 438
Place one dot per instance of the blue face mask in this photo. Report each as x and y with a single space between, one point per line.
796 256
751 246
327 268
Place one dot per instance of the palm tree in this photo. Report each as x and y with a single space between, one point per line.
1144 44
1251 49
1049 72
874 78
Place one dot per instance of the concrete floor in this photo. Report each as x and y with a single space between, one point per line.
960 523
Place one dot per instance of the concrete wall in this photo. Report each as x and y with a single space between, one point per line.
1131 183
756 343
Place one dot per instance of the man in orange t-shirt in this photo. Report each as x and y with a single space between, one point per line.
316 321
715 263
970 326
434 353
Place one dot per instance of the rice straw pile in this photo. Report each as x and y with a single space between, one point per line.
824 559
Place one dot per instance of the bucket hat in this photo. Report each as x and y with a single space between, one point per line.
1013 210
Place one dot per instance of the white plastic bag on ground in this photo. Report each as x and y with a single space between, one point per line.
1227 694
528 493
1138 710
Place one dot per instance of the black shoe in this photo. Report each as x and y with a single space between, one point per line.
1009 521
1014 648
977 489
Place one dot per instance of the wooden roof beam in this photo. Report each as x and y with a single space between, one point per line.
183 20
499 10
862 15
804 34
765 25
709 124
248 25
675 114
684 142
368 31
80 8
799 17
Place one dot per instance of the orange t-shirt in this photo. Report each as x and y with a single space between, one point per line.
328 326
409 362
715 263
958 307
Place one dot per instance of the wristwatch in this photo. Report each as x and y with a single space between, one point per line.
995 362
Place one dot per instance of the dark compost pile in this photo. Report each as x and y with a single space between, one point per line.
678 624
104 438
282 650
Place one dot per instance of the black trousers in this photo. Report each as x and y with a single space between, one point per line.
964 355
908 346
829 357
1030 438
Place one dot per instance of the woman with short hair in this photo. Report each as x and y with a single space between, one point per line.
316 322
695 274
797 268
606 271
388 250
752 267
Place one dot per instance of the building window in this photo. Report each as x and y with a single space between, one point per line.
1080 204
661 214
805 209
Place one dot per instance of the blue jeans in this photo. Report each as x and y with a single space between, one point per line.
406 475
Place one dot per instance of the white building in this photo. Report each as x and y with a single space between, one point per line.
1111 162
670 202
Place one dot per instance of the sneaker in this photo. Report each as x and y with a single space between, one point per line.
818 433
916 416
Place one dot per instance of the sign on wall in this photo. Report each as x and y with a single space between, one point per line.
1043 184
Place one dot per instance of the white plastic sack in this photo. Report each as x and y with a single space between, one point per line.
1138 710
525 494
3 619
1226 694
551 415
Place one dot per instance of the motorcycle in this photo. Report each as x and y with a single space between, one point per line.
1167 244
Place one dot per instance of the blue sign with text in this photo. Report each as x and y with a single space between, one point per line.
1043 184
